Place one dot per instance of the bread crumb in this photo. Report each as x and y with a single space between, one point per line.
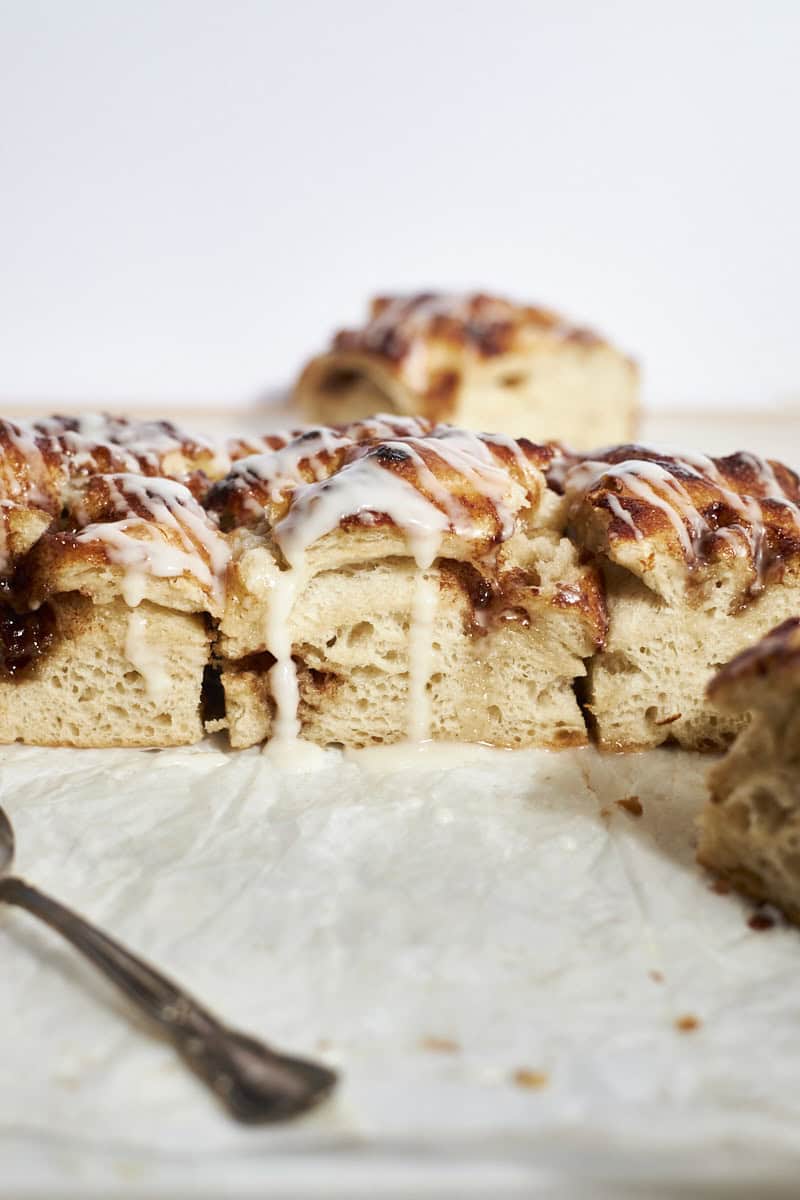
440 1045
761 921
687 1023
656 976
631 804
525 1078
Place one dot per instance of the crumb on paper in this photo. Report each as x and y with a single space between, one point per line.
720 886
656 976
631 805
687 1023
761 921
524 1077
70 1082
324 1044
440 1045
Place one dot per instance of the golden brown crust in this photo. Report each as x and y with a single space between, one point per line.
477 482
260 481
486 325
103 444
32 470
130 534
634 504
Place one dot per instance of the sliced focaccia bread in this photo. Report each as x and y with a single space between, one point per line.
102 674
750 827
477 361
107 639
385 588
701 557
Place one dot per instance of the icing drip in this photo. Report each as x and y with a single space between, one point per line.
283 674
420 654
146 658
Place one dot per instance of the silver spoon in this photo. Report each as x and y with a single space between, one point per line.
254 1083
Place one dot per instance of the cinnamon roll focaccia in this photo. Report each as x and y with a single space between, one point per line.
750 827
106 620
700 558
410 586
384 580
477 361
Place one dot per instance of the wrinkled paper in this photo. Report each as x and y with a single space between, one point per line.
495 954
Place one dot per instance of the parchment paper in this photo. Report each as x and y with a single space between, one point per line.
434 932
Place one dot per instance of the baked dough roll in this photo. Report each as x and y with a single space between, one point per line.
479 362
100 443
107 641
750 826
40 462
408 587
700 558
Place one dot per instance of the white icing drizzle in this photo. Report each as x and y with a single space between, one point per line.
644 478
623 515
420 654
361 487
281 469
384 425
283 674
147 659
660 488
195 548
131 442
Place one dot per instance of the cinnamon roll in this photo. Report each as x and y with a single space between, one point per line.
477 361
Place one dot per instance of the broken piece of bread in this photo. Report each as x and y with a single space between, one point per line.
700 558
476 361
750 827
414 586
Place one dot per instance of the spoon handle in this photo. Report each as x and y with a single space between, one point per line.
256 1084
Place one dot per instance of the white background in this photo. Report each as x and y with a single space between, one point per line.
193 193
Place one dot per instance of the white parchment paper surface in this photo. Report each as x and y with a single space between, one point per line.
431 931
